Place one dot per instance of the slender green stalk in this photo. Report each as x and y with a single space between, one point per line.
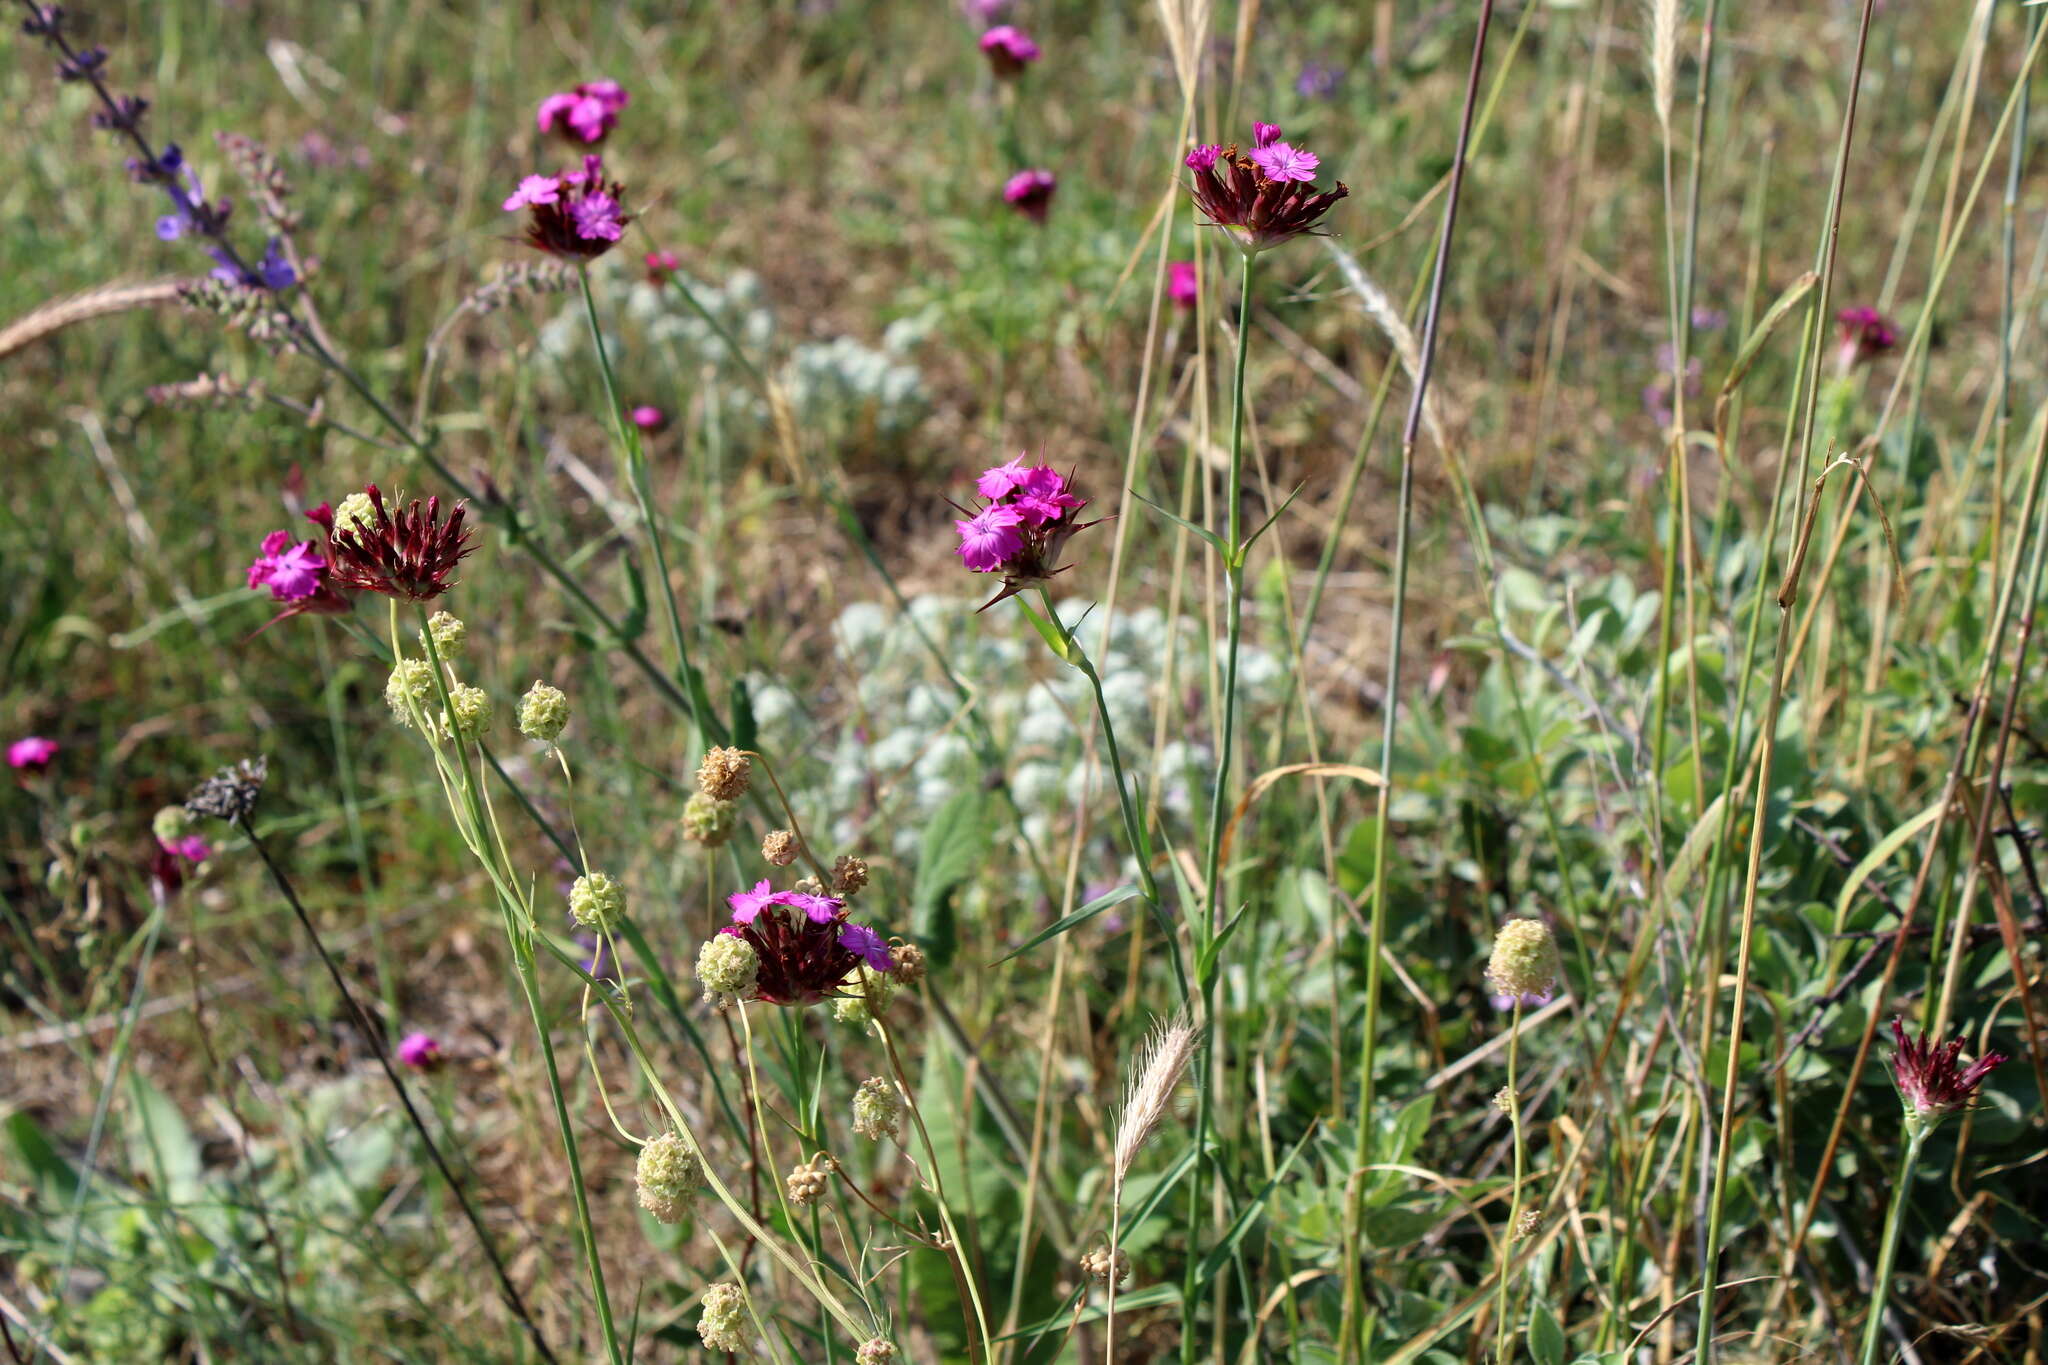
636 474
1350 1332
1219 798
1501 1343
1888 1250
1710 1252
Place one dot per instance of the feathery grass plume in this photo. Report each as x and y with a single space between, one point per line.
1388 319
1155 1074
1662 51
54 316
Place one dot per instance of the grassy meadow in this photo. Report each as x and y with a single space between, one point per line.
1474 794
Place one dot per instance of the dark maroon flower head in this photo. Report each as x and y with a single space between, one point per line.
407 554
1862 335
805 945
577 213
1262 197
1929 1081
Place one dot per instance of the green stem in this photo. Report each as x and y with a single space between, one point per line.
636 475
1507 1241
1888 1251
1219 799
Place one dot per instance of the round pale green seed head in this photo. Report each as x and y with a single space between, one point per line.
410 687
867 995
171 824
1524 960
668 1178
708 820
723 1324
356 511
449 634
727 965
597 901
543 711
472 711
877 1109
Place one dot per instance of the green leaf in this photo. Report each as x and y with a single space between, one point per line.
1546 1338
744 730
41 1157
160 1142
1267 524
1246 1216
1753 344
1213 949
634 621
1055 639
955 844
1215 541
1073 921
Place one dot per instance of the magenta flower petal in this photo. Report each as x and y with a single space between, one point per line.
1281 162
819 909
32 753
989 538
534 189
997 482
419 1051
1204 157
747 904
1264 133
865 941
1181 286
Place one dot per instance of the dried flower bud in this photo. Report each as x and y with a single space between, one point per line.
874 1352
910 964
724 774
230 794
849 875
708 820
1527 1224
806 1184
1504 1100
877 1109
410 688
471 709
724 1319
809 886
727 965
1524 960
597 902
780 847
543 711
1097 1265
449 635
667 1176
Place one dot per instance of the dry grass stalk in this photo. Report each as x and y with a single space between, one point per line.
58 314
1388 319
1662 51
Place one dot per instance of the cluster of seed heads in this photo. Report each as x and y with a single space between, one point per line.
245 309
807 1183
215 390
265 177
1098 1264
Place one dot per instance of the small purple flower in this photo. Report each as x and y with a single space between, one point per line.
31 753
661 265
747 904
1282 162
1862 335
1318 82
997 483
1530 1001
869 944
598 218
1265 134
1009 50
1030 193
648 418
989 538
190 847
1181 285
584 114
818 909
1203 157
1705 319
534 189
292 572
419 1051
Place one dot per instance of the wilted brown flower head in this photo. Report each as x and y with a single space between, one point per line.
408 554
724 774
